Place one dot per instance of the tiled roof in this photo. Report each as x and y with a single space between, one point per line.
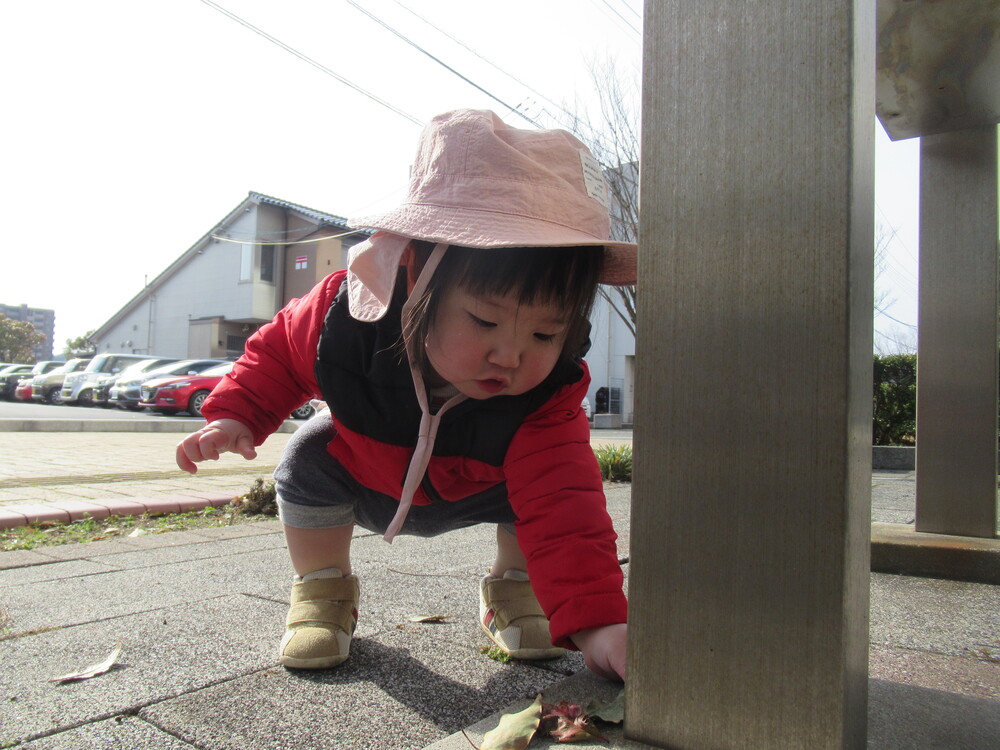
310 212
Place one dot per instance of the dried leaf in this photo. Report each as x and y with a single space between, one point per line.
93 670
515 731
139 532
429 618
612 712
572 724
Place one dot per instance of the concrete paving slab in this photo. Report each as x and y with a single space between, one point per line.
22 559
255 528
905 717
977 676
166 652
65 602
396 691
196 547
930 614
581 689
901 717
119 733
13 579
81 550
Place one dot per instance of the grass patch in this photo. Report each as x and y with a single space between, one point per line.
495 653
256 505
615 462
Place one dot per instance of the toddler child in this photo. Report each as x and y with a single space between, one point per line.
450 355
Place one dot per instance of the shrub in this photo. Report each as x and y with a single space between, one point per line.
894 419
615 462
260 500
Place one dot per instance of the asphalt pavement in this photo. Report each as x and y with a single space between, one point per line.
198 615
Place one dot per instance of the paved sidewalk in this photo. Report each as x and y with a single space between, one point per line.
199 615
60 476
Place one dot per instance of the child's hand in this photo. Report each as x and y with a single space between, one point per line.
212 440
604 649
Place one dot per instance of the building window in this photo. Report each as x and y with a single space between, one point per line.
246 263
267 263
235 345
301 262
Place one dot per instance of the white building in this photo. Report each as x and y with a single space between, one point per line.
260 256
263 254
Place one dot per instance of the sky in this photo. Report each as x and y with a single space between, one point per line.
131 128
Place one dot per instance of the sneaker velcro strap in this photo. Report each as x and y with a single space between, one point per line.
328 589
512 610
512 600
325 614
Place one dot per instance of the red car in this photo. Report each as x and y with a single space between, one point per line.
23 390
170 395
177 393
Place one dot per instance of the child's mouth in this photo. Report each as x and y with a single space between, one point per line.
491 385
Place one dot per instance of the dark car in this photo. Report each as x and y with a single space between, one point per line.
10 380
188 393
9 376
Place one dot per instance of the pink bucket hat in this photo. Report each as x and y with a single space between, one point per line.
478 182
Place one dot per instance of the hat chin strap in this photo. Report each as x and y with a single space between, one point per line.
428 422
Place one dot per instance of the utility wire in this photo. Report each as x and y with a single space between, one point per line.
634 12
618 15
312 62
255 241
444 65
624 20
488 62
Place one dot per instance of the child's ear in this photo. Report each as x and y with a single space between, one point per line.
414 258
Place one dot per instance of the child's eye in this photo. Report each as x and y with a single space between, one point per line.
482 323
546 336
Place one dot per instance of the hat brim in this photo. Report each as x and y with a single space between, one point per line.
485 229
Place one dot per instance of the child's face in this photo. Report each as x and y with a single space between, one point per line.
491 346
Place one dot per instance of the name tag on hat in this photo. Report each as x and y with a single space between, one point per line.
593 179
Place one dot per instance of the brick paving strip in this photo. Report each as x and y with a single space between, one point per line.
130 477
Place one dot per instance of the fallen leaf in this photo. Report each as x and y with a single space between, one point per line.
429 618
572 723
612 712
139 532
93 670
514 731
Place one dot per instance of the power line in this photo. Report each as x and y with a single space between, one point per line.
488 62
256 241
444 65
634 12
624 20
319 66
897 320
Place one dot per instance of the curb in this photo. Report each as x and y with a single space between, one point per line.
115 425
898 549
66 511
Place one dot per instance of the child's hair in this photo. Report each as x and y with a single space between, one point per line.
566 276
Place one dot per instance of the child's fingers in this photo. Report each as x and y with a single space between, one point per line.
205 445
244 446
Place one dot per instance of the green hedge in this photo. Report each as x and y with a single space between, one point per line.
895 399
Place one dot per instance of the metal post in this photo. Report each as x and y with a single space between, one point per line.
750 519
957 334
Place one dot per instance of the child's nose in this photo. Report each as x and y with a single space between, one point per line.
505 354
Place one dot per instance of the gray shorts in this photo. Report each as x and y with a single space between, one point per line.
315 492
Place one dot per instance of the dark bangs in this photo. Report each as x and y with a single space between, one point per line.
565 276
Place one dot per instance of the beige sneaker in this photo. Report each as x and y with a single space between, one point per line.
513 619
321 620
